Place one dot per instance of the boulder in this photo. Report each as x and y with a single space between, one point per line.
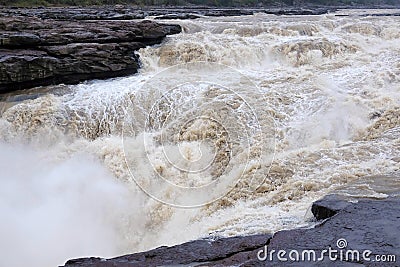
328 206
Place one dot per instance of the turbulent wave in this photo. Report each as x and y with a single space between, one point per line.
299 106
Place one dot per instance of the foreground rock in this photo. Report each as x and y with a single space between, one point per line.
36 51
367 224
188 254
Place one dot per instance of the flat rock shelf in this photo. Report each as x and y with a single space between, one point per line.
37 51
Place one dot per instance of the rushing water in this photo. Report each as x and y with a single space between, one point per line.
232 127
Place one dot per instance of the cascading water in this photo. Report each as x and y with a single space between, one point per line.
246 120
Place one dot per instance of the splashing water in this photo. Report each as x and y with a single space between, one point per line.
272 112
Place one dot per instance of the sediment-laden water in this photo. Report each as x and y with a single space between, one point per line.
232 127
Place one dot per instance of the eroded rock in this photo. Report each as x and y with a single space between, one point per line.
36 51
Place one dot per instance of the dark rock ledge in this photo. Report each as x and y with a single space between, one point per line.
37 51
126 12
366 224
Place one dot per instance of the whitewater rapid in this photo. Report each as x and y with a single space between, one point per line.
232 127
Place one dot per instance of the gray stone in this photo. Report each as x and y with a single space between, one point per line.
366 224
36 51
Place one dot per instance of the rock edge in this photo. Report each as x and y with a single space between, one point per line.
364 223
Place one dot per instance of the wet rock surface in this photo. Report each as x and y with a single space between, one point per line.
42 51
350 224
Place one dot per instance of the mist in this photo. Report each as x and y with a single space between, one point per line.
55 211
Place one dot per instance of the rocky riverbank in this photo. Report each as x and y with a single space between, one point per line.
342 224
53 45
42 49
126 12
45 46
